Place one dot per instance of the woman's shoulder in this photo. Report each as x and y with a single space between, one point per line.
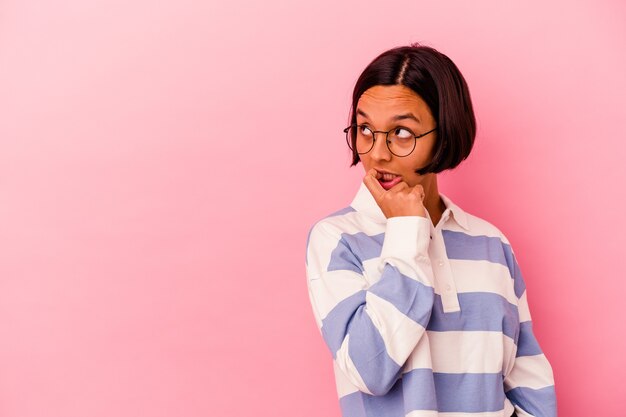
339 220
489 240
326 233
479 226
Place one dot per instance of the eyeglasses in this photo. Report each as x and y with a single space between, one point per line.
400 140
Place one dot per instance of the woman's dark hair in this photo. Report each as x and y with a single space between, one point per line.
438 81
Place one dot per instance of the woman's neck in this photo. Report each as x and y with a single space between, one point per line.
432 201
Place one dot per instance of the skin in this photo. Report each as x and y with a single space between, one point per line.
415 192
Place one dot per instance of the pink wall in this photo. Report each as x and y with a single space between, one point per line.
162 162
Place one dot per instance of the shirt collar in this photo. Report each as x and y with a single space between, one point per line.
364 202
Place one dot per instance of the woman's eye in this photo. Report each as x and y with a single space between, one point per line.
365 130
402 133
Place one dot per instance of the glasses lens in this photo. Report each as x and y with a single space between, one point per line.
401 141
361 136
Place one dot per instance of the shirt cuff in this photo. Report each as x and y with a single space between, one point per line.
406 237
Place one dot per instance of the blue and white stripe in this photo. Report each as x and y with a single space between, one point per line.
423 320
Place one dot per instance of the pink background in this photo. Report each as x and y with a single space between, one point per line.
162 162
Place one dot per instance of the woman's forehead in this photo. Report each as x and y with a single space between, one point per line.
390 99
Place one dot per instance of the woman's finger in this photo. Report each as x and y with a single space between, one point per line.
372 184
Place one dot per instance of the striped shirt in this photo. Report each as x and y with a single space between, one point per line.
423 320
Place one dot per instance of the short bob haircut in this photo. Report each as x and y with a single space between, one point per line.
438 81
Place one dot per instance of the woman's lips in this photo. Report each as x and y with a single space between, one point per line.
388 184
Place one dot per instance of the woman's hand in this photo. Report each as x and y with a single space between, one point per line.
399 200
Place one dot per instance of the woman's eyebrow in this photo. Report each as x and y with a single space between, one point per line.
398 117
406 116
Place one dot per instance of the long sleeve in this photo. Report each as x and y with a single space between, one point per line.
530 383
371 330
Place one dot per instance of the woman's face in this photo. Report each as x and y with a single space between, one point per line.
378 108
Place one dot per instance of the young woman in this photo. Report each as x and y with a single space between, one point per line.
422 305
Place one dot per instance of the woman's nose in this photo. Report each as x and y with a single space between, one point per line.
380 151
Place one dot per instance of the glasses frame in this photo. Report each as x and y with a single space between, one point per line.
416 137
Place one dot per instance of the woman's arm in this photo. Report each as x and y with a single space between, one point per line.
530 383
371 330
